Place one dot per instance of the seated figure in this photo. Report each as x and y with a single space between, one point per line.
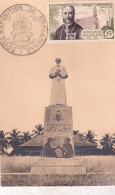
67 149
47 150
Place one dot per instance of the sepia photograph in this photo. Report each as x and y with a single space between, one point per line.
57 116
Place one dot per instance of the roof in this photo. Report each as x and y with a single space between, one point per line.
80 140
86 21
37 140
3 153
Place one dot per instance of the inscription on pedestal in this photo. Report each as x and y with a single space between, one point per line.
58 132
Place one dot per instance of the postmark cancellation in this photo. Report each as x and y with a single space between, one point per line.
23 29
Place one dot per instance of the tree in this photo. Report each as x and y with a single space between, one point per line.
113 141
113 138
25 137
39 130
15 138
3 141
107 27
107 144
53 22
90 136
75 132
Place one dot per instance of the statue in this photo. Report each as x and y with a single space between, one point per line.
67 148
47 150
58 74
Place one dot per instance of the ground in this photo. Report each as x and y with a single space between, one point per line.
58 180
100 171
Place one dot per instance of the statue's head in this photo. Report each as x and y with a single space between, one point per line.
67 140
50 140
58 60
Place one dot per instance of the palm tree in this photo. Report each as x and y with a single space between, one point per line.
15 138
75 132
39 129
113 141
90 136
3 141
107 144
113 138
53 22
25 137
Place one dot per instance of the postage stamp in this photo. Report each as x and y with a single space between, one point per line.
23 29
81 21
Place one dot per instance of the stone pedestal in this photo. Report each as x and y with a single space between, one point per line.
58 126
58 166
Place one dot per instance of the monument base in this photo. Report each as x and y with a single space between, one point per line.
58 132
60 166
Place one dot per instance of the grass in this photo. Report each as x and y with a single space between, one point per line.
94 165
58 180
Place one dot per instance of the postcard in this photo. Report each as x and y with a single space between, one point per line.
57 125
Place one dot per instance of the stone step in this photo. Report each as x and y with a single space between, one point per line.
58 170
57 161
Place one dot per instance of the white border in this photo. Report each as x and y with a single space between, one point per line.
100 190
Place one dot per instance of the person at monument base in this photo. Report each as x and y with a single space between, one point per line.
58 74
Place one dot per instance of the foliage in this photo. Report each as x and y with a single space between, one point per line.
39 129
75 132
26 137
113 138
107 143
15 138
53 23
3 140
90 136
107 27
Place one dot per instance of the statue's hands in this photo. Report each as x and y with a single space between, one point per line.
58 72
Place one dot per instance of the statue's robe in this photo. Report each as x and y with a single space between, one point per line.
48 151
67 150
58 92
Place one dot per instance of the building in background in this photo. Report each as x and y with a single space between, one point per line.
90 22
34 146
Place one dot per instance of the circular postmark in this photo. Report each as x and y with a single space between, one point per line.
23 29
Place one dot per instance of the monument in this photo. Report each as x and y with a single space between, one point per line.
58 147
58 128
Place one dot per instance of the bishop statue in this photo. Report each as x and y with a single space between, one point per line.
58 93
